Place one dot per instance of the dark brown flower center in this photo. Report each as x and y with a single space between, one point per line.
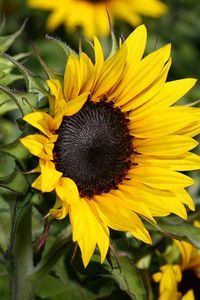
94 148
190 281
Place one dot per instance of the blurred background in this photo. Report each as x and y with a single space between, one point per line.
180 26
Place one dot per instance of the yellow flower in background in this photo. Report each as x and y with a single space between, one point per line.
91 14
181 281
113 143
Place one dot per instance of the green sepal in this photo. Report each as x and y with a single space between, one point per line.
16 150
114 44
6 41
15 182
26 102
64 46
51 74
33 82
7 65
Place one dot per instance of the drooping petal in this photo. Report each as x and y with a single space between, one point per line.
39 145
60 210
49 177
88 230
41 121
67 190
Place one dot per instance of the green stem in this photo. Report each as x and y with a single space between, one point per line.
22 288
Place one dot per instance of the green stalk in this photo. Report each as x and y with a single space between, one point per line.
21 286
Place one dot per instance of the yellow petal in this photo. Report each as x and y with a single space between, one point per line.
159 202
130 201
110 74
169 277
119 218
39 146
163 122
188 296
56 88
170 145
74 105
99 61
144 74
85 73
67 190
71 78
160 178
185 162
152 198
186 250
60 210
41 121
185 198
136 43
172 91
139 106
88 230
49 177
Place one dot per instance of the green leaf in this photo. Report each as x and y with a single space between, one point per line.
7 41
9 78
15 182
6 106
181 231
53 288
15 149
128 278
123 272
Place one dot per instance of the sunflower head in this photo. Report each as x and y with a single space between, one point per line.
112 143
182 279
94 19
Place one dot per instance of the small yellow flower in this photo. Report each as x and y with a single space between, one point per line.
181 281
114 142
91 14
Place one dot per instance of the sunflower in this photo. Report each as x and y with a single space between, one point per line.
91 14
181 281
112 143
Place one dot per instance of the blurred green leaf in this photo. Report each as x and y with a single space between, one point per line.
7 41
15 149
53 288
15 182
181 231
